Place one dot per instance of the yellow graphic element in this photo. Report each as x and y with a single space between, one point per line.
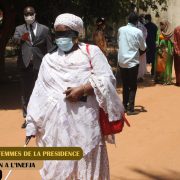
40 153
19 165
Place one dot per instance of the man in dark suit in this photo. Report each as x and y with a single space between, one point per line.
151 41
34 41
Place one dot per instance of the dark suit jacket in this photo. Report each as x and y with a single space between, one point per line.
28 51
151 36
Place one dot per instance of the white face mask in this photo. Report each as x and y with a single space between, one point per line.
65 44
29 19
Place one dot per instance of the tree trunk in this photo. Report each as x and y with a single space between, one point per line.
6 30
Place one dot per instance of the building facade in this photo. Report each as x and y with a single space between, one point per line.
172 13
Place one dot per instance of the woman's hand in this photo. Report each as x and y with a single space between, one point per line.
73 94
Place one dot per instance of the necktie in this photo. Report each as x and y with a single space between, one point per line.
32 33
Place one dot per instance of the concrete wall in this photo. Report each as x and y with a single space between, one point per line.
172 13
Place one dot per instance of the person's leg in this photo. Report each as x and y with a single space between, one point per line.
169 64
177 69
24 75
153 56
27 82
148 56
133 72
124 76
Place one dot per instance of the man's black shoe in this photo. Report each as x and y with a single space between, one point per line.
129 113
126 108
24 125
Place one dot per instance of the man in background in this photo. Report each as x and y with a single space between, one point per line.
131 43
151 41
34 41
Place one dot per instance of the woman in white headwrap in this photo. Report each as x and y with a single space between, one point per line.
57 113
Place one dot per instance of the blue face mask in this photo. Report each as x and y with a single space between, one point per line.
65 44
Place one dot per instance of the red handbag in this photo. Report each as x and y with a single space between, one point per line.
106 126
113 127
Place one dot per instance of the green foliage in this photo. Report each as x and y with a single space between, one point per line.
145 4
112 10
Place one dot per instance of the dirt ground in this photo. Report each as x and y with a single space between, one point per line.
148 150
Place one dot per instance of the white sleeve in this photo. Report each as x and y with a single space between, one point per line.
31 128
99 63
37 105
104 84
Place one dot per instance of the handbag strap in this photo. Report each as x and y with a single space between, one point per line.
125 120
90 62
88 52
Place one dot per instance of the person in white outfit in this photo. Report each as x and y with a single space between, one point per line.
58 115
142 63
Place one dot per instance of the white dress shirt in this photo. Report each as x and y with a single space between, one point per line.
130 40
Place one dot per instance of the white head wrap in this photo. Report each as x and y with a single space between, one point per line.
70 20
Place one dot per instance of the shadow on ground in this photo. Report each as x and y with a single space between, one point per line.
169 175
140 109
151 175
